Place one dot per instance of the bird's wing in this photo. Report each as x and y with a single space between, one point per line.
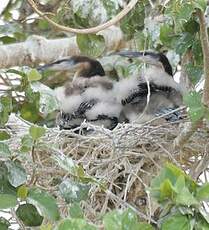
84 106
139 94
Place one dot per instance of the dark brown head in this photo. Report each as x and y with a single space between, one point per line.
157 59
84 66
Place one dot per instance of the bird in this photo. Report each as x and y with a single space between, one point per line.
88 97
153 93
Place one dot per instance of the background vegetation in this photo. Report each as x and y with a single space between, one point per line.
59 180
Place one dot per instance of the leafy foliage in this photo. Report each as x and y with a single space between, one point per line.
29 215
122 220
90 44
180 198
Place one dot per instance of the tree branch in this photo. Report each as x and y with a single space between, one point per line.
190 128
95 29
186 133
38 49
205 49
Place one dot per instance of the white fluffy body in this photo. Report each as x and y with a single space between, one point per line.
104 108
106 101
68 104
98 93
158 76
124 87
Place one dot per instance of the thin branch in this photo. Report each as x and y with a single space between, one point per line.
205 49
190 128
95 29
186 133
200 167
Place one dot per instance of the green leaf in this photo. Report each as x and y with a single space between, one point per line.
194 72
186 198
32 96
90 44
73 191
203 192
7 39
74 224
166 35
29 112
184 13
65 162
177 172
4 224
111 7
4 135
22 192
191 27
29 215
201 224
75 211
184 43
166 190
180 184
36 132
20 73
43 24
34 75
204 215
26 143
176 221
197 52
46 227
140 40
5 186
172 173
48 102
5 109
45 203
4 150
200 4
196 108
6 101
121 220
16 173
7 201
145 226
134 20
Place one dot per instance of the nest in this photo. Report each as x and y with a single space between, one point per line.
125 160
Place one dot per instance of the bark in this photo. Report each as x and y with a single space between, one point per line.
184 78
190 128
205 48
37 49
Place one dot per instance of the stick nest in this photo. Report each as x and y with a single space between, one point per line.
125 160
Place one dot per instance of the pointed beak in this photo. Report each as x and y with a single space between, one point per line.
147 57
59 65
128 53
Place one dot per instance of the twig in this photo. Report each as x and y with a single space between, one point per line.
95 29
142 215
186 133
201 166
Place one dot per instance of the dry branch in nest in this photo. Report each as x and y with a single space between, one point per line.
126 159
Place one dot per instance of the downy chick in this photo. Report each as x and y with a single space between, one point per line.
88 97
156 80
